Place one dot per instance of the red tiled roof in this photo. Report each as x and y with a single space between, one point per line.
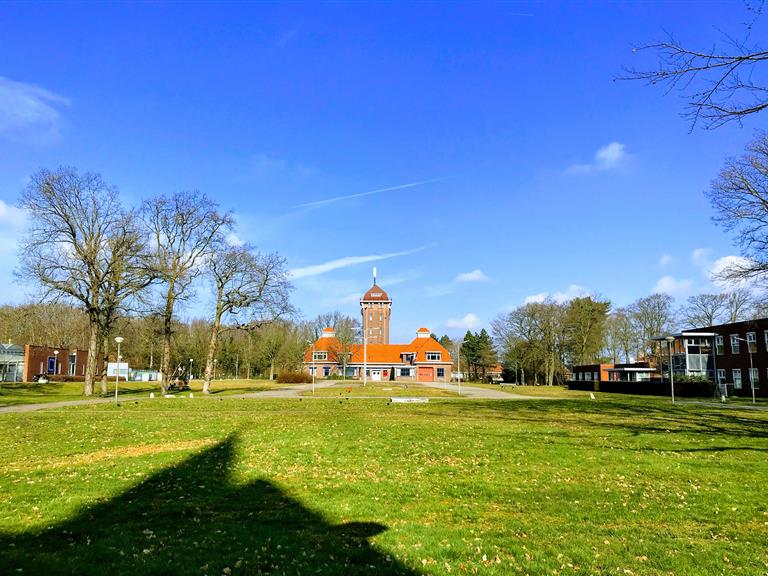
422 330
379 353
375 293
328 330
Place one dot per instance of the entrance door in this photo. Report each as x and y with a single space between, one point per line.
376 375
426 373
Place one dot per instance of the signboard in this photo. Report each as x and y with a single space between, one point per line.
112 368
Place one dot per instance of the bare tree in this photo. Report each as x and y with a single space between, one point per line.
738 305
651 316
251 290
704 310
721 84
739 195
82 247
186 229
620 336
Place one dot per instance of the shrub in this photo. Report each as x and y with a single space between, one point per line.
294 378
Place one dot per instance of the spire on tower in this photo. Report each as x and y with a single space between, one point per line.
374 274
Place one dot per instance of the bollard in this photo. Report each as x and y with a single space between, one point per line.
151 394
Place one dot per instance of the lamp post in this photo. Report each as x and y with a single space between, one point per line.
669 340
751 368
458 362
190 368
312 351
119 340
55 362
214 367
365 358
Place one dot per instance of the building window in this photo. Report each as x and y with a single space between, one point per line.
320 356
311 370
72 364
326 371
434 356
751 342
595 377
754 378
735 344
579 376
441 372
405 371
719 343
720 375
736 378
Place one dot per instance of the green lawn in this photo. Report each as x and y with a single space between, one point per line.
629 486
351 389
12 394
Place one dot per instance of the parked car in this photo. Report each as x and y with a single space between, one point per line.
40 378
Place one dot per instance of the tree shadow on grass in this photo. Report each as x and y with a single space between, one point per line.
191 519
633 417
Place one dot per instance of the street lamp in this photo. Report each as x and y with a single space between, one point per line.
669 340
365 357
458 362
190 368
214 367
751 368
55 361
119 340
312 351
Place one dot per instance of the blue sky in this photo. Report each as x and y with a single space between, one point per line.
480 155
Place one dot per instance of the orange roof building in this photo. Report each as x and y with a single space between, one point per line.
423 359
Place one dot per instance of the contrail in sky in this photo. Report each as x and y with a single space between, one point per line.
379 191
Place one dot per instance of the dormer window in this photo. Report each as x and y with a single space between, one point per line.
319 356
408 357
434 356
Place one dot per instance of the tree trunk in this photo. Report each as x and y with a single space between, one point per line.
165 358
90 365
212 344
104 365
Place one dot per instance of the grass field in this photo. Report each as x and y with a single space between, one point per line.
352 389
13 394
625 485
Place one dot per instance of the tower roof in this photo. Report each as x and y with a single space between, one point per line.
375 294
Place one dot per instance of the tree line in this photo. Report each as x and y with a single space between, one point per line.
539 341
86 248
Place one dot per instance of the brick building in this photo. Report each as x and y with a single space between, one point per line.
734 355
423 359
69 362
376 307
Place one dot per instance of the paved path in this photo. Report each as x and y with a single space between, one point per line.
62 404
469 392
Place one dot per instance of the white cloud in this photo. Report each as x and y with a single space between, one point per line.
673 286
234 240
573 291
702 257
474 276
25 107
11 216
608 157
716 269
345 262
370 192
665 260
468 322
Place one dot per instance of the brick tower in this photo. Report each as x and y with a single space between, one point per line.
375 306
